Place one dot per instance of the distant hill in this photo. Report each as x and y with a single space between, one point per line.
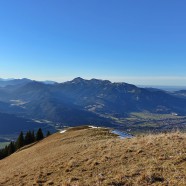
12 82
7 82
85 156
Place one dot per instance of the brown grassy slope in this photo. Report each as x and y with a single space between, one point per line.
96 157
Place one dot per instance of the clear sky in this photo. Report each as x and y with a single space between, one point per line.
136 41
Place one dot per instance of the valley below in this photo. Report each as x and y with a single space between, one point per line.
145 122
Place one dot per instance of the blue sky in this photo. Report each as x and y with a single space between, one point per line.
139 42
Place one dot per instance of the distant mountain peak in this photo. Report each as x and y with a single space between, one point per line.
78 79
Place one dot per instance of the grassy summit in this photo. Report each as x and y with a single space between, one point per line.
86 157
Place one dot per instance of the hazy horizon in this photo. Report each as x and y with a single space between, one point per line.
138 42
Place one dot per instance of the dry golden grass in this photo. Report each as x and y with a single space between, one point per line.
95 157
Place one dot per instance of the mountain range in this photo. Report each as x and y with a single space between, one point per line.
80 101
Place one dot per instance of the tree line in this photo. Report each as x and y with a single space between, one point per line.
22 140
